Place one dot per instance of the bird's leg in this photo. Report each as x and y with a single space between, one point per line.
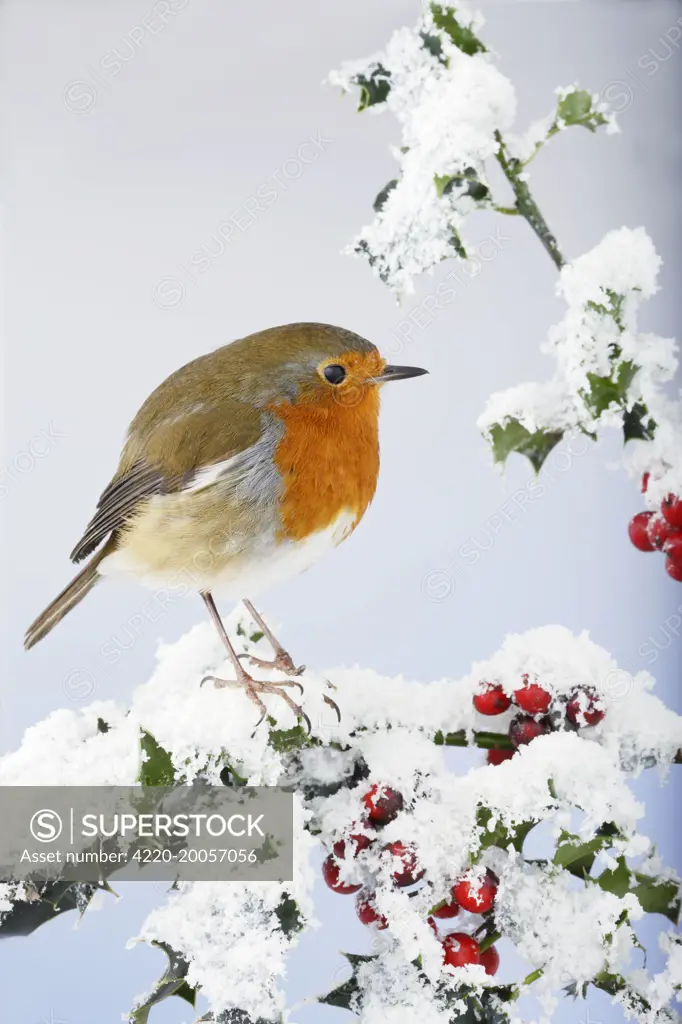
282 659
253 687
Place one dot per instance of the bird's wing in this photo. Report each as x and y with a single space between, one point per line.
166 452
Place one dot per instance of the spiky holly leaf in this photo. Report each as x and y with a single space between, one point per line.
612 390
475 188
577 108
512 436
344 995
500 835
656 895
577 856
382 196
171 983
638 424
54 898
288 915
445 18
374 88
157 769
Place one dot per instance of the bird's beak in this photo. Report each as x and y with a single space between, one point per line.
398 373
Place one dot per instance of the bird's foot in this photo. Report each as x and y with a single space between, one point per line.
255 687
282 660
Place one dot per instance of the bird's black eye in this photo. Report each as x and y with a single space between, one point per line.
334 373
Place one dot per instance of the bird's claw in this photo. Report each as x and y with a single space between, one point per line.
332 704
254 687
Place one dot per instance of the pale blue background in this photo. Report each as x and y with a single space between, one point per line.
106 201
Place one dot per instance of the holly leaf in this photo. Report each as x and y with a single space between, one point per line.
157 769
55 898
500 836
374 89
285 740
171 983
475 189
445 19
634 425
382 196
344 994
577 856
656 895
288 915
514 437
611 390
434 45
576 108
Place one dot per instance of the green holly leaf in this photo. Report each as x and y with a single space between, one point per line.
382 196
445 19
514 437
611 390
288 915
500 836
637 424
458 245
578 856
344 995
576 108
375 88
285 740
656 896
171 983
434 45
157 769
474 188
55 898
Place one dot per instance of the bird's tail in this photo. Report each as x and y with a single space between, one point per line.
72 595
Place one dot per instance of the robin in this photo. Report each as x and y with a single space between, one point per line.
240 470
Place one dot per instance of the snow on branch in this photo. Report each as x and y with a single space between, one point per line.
380 783
608 372
454 108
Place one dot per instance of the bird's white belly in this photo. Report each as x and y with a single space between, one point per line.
266 564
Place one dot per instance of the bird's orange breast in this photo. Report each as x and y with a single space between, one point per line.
328 458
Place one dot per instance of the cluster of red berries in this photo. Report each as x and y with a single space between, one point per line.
583 708
469 892
660 531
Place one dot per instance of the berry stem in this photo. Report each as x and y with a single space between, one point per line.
484 740
489 941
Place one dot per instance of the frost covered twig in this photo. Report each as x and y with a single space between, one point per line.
378 783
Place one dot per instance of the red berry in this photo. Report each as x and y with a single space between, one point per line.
523 729
355 843
532 698
408 871
638 531
497 756
367 911
645 482
432 925
658 530
673 548
672 511
460 950
330 873
585 709
492 700
446 911
476 893
490 959
673 569
383 804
